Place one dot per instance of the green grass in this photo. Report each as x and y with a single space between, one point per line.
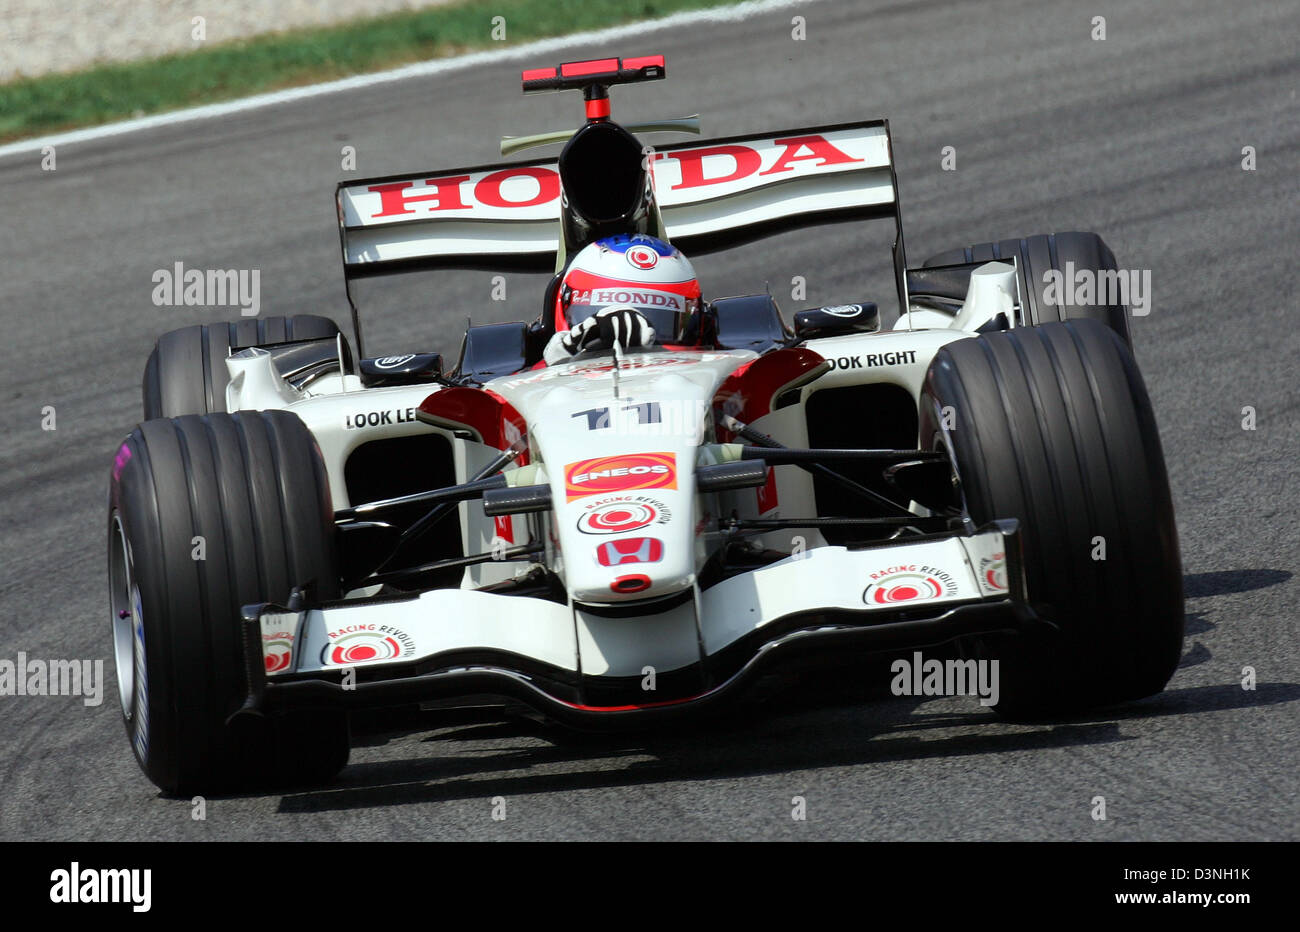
32 106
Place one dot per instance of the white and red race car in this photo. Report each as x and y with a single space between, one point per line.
296 531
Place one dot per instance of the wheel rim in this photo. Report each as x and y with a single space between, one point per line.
128 638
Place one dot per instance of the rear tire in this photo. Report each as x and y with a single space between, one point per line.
186 372
1036 255
208 514
1052 425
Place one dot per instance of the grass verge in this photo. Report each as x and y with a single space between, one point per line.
50 103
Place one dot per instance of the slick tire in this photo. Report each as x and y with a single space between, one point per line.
1037 255
208 514
186 372
1052 425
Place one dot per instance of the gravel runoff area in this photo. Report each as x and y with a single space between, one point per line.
39 37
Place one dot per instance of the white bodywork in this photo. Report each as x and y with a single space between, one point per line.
342 416
618 444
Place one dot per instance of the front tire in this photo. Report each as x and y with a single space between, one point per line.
1052 425
208 514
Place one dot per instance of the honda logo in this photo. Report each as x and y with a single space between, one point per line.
630 550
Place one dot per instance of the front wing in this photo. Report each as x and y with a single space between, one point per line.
591 665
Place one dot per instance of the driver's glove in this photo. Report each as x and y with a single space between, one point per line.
624 326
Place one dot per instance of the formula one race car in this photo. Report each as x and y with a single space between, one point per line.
633 506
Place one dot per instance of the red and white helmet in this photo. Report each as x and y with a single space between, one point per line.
640 272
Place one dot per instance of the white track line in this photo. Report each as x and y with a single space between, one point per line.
536 49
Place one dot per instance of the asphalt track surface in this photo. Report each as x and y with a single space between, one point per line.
1138 137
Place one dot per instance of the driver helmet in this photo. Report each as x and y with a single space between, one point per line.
640 272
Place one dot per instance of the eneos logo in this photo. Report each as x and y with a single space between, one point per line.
620 474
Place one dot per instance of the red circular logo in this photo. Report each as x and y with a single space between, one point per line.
643 257
362 648
617 518
903 587
277 652
995 570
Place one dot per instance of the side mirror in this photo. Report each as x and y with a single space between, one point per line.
751 321
837 320
409 369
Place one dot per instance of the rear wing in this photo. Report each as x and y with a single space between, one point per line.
711 196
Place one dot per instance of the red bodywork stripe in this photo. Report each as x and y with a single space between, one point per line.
753 386
484 412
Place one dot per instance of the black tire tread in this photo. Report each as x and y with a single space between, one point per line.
1042 253
186 372
241 481
1055 428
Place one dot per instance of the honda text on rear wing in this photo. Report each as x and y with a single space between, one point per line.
703 197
